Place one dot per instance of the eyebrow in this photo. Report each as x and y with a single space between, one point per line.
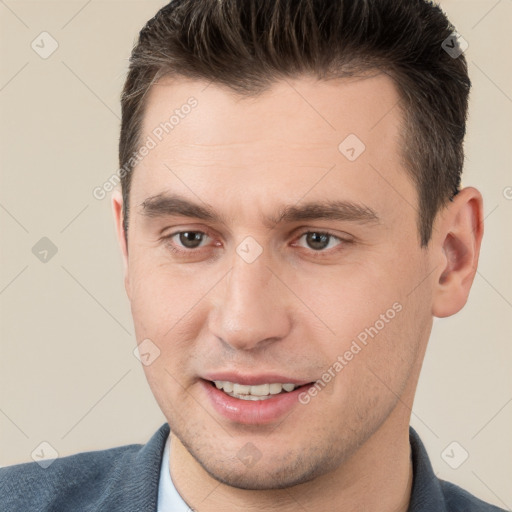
165 205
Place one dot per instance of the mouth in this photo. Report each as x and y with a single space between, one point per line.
253 402
253 399
257 392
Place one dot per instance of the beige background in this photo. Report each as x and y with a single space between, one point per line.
68 375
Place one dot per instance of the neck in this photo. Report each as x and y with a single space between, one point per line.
378 477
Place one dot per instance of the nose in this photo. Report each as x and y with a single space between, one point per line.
251 307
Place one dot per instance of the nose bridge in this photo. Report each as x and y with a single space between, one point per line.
250 310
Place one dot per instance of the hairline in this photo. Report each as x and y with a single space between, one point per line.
356 68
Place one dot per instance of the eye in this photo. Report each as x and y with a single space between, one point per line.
319 240
191 239
184 241
191 242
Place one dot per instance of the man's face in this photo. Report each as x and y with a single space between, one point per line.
250 293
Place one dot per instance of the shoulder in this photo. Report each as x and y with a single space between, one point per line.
86 481
460 500
431 493
85 476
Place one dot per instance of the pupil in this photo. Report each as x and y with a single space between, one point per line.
190 239
317 241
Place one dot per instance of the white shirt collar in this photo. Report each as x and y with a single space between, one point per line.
169 499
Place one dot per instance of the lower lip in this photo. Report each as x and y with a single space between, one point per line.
252 412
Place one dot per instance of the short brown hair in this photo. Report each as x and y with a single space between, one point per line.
247 45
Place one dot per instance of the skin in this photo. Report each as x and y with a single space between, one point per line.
288 311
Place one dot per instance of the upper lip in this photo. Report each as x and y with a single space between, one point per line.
254 380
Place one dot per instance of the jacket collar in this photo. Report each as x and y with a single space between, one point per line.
426 495
143 474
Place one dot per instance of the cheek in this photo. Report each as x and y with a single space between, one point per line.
160 297
349 299
369 315
170 308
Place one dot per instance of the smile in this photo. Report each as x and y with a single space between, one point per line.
259 392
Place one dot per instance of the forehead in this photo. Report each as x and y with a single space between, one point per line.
301 136
293 110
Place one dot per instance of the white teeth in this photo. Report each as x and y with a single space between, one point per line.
240 389
259 392
275 388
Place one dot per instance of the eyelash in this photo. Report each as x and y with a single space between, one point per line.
315 254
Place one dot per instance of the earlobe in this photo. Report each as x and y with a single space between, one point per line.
117 211
459 237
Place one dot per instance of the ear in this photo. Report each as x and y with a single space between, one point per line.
457 240
117 211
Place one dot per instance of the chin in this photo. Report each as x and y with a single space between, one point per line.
260 478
